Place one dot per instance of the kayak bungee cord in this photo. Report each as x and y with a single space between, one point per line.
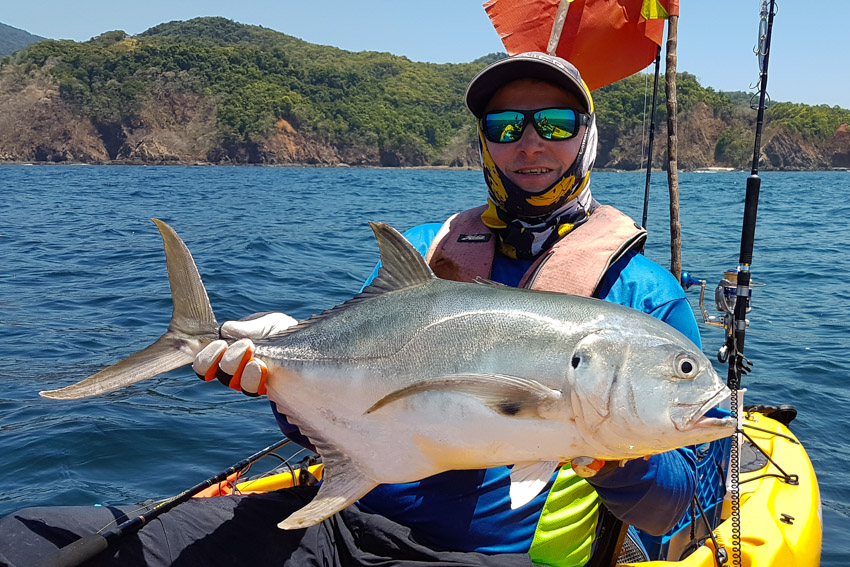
720 555
92 545
787 478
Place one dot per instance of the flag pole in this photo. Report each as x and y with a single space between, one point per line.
558 26
672 147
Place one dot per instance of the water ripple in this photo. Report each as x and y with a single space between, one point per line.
83 283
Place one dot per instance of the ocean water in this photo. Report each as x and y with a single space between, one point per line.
83 283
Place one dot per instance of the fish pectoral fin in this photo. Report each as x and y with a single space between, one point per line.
342 485
528 479
508 395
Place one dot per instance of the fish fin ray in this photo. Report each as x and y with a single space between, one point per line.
342 485
485 281
528 479
156 359
508 395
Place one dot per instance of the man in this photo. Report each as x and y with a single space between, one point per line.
537 135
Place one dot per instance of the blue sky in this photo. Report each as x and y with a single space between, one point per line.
716 37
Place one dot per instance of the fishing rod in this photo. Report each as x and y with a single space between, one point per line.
734 292
651 139
743 291
738 364
90 546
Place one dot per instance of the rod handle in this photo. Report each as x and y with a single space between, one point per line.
76 553
748 233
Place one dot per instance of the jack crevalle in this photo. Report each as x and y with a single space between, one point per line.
418 375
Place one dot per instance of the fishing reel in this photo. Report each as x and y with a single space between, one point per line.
725 296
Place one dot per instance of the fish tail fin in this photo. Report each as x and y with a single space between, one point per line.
193 326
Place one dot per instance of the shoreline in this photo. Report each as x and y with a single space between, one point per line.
702 170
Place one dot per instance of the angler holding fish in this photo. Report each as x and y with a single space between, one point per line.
443 409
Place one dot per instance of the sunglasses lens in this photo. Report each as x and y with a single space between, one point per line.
503 127
556 123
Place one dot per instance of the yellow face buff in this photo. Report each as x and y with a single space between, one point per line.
490 217
515 202
555 194
528 223
492 175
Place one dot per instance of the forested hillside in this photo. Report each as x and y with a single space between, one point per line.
211 90
13 39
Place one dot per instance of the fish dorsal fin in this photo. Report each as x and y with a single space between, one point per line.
401 264
528 479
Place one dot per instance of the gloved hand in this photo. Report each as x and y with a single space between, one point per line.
587 467
235 365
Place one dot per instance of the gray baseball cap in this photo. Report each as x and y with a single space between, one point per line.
529 65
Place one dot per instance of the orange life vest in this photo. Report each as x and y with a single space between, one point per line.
464 247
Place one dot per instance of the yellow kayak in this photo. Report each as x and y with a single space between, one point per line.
780 515
781 518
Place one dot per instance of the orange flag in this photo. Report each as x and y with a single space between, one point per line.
605 39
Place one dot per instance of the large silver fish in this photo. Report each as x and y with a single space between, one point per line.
418 375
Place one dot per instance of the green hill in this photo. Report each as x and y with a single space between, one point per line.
213 90
13 39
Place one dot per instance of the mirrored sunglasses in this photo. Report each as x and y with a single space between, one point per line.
506 126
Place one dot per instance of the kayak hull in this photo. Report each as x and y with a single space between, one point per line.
781 522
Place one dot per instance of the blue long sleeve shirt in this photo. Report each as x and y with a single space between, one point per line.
471 511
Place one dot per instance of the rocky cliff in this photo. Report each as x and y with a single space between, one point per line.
37 125
214 91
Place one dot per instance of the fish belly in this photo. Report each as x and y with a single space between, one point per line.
415 437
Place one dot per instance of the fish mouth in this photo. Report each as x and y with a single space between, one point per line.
698 419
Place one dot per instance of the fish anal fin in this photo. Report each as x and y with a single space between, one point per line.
508 395
342 485
528 479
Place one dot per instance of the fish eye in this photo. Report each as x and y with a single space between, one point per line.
685 367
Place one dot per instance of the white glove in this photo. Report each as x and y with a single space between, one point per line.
257 326
235 365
